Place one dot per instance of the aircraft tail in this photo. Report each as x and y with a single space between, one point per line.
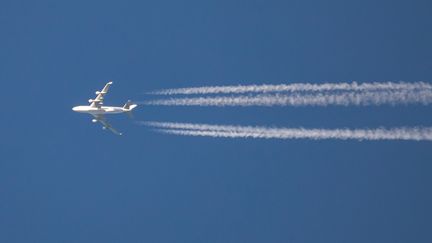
129 106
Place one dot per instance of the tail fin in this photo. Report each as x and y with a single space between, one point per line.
129 106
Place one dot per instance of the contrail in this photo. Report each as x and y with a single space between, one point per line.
188 129
297 87
346 98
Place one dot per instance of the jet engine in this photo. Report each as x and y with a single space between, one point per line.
94 120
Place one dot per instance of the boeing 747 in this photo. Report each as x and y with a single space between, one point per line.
97 110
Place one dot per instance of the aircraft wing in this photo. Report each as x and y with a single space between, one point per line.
101 119
97 102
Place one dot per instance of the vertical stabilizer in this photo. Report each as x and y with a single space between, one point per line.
129 106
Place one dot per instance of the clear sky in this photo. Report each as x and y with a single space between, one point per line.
64 179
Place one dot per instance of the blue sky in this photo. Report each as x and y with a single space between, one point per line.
63 179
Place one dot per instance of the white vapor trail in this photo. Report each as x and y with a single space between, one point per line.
297 87
382 97
189 129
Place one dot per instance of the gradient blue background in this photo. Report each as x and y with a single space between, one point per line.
63 179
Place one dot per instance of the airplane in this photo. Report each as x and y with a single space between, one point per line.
98 111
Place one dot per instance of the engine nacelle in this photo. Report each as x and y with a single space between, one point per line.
94 120
97 92
104 128
90 101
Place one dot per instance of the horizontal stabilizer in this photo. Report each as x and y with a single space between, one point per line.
129 106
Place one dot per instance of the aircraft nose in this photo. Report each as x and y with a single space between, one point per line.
74 108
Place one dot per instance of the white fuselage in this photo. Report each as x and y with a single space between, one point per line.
103 110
